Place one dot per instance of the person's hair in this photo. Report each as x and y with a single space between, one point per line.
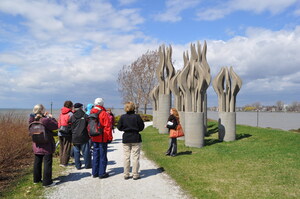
68 104
175 113
129 106
39 111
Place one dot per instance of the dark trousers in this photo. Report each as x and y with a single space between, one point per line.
99 159
172 150
47 172
65 149
85 149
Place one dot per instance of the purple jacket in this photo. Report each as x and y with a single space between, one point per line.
48 148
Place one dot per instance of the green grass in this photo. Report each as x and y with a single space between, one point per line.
261 163
24 187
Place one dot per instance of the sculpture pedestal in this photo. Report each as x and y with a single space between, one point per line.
227 126
163 113
182 122
194 129
154 114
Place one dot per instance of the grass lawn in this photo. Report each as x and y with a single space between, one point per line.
261 163
24 187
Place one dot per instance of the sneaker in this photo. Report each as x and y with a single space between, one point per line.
136 178
63 165
50 185
37 182
106 175
95 176
126 177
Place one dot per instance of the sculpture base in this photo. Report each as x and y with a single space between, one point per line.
163 113
194 129
154 114
227 126
182 122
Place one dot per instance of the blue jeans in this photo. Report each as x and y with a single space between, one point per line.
99 158
85 148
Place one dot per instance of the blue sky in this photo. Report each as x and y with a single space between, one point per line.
53 50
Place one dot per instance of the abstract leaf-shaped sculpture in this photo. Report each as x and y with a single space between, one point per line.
227 93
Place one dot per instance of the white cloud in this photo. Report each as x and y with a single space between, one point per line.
67 22
257 6
265 60
174 9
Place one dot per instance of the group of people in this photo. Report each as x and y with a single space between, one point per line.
73 130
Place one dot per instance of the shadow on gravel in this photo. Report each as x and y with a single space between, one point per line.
144 173
72 177
115 141
115 171
112 162
151 172
110 150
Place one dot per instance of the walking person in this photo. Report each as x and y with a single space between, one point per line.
172 123
100 142
80 137
65 133
111 118
131 124
43 152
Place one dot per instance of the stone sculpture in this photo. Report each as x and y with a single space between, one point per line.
194 80
165 72
154 96
227 84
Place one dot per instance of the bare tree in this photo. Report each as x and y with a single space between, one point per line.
138 79
279 105
257 105
295 106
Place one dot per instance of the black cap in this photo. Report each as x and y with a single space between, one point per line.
78 105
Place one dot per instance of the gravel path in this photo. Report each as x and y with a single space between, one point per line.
154 183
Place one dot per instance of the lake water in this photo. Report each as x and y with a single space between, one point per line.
277 120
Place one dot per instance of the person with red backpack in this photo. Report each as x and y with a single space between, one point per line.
100 142
65 133
43 152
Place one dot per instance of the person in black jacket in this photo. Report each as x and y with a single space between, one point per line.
172 123
131 124
80 137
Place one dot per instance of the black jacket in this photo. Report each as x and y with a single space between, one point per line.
174 120
78 124
131 124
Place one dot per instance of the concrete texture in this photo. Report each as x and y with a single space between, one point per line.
163 113
227 126
194 129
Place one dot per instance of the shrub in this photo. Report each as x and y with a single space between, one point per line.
146 117
15 146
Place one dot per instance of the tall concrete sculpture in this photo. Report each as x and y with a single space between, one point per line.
165 72
178 98
227 84
194 81
154 97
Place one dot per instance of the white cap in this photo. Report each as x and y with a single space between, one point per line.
99 101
